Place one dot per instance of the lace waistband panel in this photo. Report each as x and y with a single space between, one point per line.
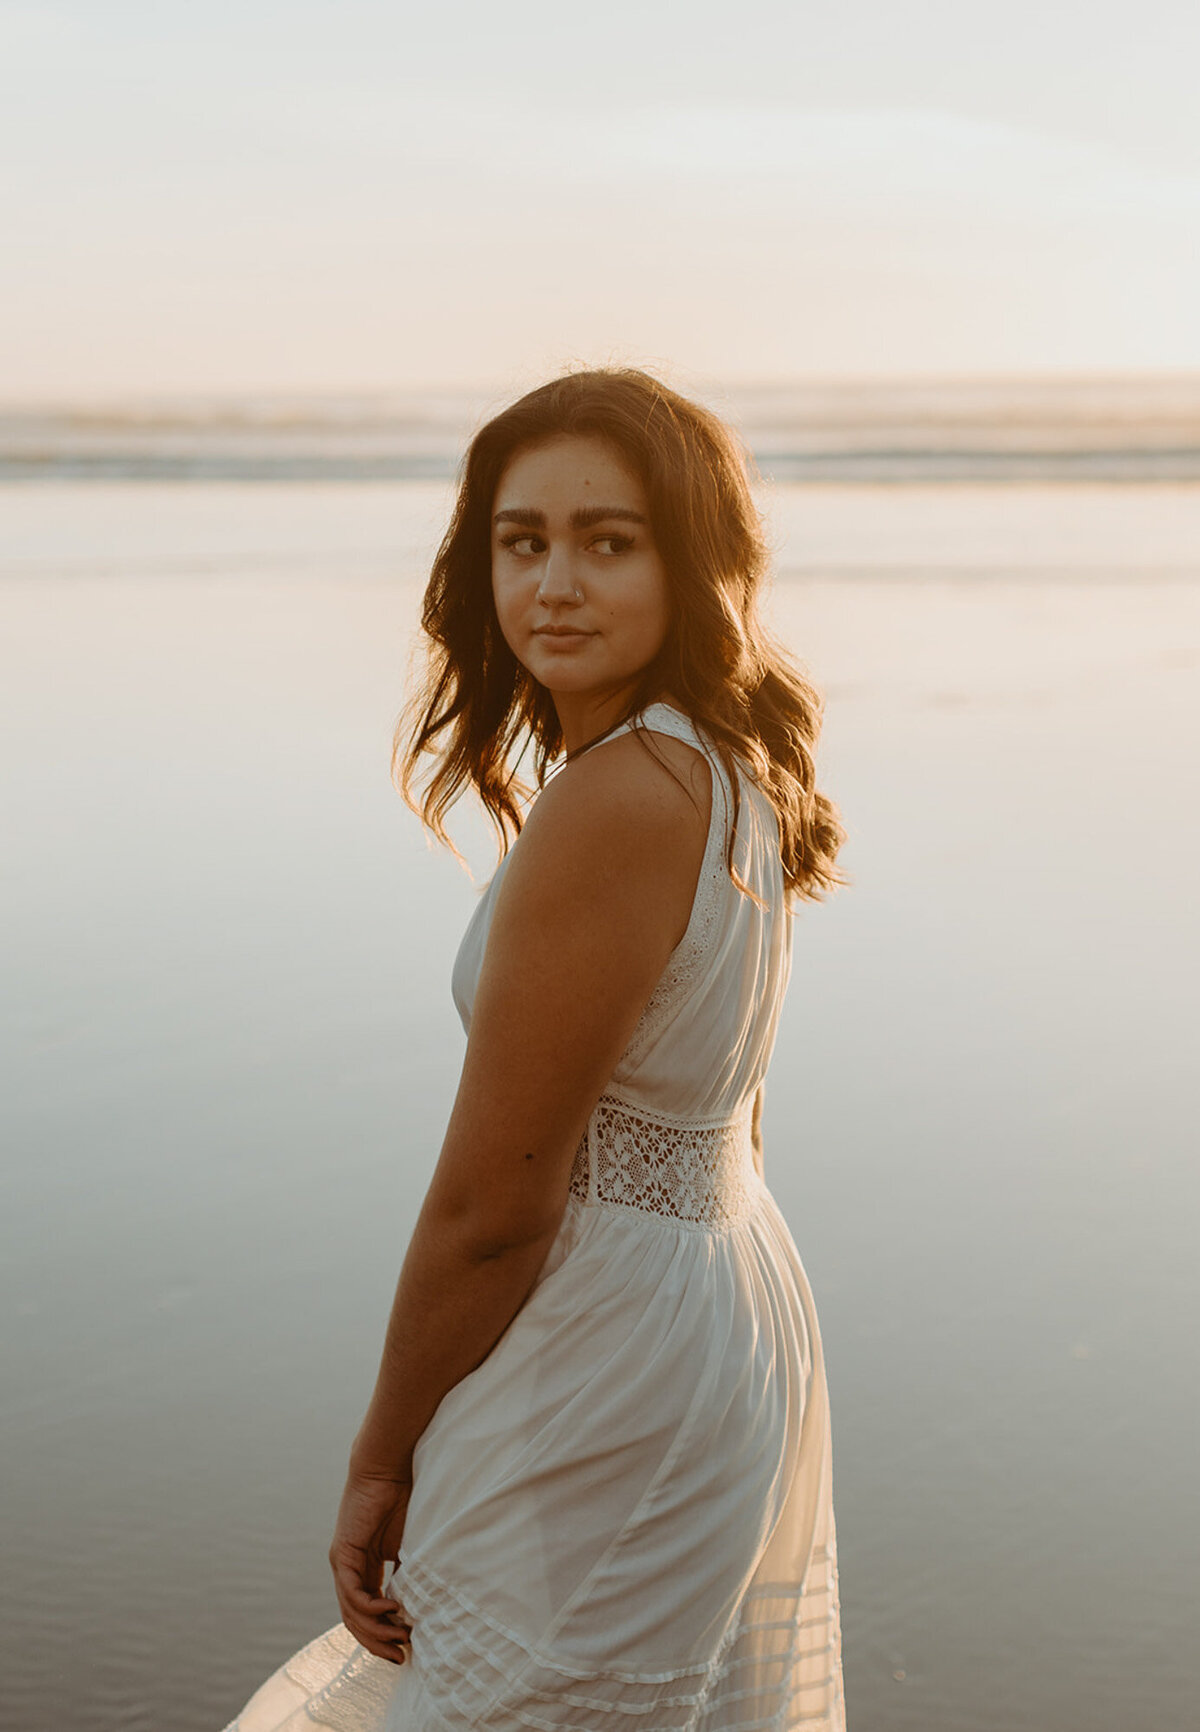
699 1170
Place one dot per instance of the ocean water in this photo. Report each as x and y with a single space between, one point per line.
1121 429
230 1051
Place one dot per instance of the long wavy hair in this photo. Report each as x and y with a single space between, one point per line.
483 718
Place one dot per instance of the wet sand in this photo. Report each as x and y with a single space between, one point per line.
232 1050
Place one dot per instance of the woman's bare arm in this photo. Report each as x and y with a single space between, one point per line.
594 901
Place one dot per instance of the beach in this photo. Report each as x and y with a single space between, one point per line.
232 1051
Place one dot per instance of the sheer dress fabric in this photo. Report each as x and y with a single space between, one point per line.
622 1521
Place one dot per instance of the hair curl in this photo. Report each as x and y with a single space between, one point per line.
479 713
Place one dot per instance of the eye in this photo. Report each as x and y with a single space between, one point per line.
524 543
610 545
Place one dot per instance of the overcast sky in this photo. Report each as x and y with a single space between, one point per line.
350 196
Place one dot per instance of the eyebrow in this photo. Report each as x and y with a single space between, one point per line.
585 517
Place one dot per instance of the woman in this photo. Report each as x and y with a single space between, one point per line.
599 1441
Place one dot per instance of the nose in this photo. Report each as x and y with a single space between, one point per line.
557 586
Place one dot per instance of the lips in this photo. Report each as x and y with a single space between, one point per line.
561 631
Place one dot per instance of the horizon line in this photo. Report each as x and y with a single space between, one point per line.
1114 376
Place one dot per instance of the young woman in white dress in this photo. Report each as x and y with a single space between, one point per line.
597 1459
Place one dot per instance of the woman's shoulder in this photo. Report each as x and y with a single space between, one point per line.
637 802
616 835
630 784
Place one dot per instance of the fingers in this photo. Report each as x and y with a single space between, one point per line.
377 1622
386 1637
395 1652
363 1604
354 1597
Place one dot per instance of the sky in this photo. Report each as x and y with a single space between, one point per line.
363 196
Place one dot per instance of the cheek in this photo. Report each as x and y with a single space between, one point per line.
509 592
503 605
658 611
645 607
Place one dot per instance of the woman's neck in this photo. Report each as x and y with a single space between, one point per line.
585 718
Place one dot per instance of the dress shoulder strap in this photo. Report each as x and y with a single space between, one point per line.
666 719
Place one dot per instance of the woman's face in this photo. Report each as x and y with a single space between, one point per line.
579 584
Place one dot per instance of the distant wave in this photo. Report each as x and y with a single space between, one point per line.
157 465
1180 464
1006 430
866 467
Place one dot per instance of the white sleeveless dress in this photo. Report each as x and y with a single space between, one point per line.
622 1520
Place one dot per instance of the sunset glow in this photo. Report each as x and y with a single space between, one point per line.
358 197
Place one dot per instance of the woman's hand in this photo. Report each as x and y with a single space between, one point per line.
370 1526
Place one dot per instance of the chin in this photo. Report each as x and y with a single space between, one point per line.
578 675
565 675
569 683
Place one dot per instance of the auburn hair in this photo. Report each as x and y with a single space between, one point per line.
481 716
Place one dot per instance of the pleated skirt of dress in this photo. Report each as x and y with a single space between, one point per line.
622 1521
